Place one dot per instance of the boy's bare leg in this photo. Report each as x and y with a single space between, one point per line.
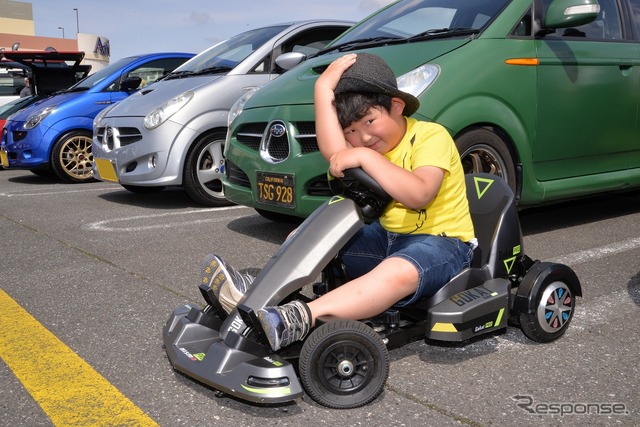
369 295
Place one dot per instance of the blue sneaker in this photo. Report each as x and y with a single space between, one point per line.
285 324
228 285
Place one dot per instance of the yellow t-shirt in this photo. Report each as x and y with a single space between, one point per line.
429 144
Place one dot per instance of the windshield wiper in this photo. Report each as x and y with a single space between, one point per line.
179 75
71 90
442 32
346 46
213 70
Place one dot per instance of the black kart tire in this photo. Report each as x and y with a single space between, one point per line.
555 304
72 157
344 364
204 170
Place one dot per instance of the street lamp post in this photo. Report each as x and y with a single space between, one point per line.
77 21
62 28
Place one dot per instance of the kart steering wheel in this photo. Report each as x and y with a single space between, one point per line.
360 187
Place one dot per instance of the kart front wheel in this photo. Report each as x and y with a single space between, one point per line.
555 304
344 364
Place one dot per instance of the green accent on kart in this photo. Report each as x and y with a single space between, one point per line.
500 313
336 199
517 249
277 391
487 183
508 263
199 356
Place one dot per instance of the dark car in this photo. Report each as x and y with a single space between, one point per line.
46 71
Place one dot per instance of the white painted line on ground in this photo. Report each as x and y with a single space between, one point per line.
104 225
39 192
600 252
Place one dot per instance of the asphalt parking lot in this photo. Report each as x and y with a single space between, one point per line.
101 269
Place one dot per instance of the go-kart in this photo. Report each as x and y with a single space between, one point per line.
345 363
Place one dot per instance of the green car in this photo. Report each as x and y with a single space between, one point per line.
543 93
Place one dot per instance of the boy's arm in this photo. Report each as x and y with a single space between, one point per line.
413 189
328 130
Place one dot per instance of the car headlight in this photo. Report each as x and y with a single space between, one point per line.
166 110
238 106
419 79
35 119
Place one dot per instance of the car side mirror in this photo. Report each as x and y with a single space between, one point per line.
571 13
131 83
288 60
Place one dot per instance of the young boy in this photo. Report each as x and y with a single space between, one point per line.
423 239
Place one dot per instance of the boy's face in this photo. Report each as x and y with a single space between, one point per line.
378 130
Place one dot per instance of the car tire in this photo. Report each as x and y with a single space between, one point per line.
204 170
482 150
344 364
72 157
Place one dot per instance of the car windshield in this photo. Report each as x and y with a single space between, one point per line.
100 75
11 107
414 20
226 55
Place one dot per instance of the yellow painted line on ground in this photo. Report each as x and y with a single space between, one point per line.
67 388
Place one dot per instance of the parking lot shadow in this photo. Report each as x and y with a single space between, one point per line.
169 198
30 178
257 227
634 289
578 212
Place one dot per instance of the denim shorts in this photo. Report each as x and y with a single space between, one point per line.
436 258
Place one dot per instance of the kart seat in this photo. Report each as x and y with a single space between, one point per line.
497 228
495 221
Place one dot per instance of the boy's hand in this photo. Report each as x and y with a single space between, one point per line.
347 159
328 80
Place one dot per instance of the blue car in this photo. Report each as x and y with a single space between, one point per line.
54 134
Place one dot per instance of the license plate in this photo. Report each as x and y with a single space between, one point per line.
4 158
276 189
106 170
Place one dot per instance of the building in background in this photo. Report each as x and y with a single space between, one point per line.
17 32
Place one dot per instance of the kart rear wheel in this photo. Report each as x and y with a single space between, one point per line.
555 304
344 364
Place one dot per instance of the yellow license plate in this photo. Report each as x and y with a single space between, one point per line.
106 170
276 189
4 158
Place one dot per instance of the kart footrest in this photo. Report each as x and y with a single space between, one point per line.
475 311
212 301
250 319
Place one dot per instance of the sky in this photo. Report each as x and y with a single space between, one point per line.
144 26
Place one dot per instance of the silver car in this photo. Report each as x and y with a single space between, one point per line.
172 133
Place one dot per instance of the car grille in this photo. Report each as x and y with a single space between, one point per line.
113 138
274 146
250 135
235 175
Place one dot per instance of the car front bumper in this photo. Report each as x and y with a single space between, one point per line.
138 156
